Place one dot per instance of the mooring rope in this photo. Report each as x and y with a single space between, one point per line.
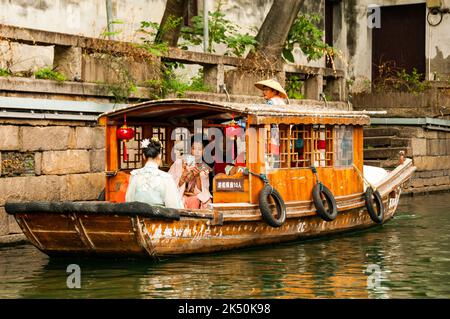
363 178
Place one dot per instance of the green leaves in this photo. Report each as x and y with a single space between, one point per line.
221 31
5 72
170 84
49 74
288 56
293 87
305 32
107 34
151 33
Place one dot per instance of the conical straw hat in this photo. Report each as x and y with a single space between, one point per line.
273 84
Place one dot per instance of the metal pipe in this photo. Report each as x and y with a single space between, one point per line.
109 19
205 26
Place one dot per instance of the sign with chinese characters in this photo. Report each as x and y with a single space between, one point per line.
230 185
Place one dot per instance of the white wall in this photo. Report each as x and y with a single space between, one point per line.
80 17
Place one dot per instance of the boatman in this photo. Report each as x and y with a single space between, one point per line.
273 92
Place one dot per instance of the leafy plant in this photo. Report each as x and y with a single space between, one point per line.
239 43
49 74
305 32
221 31
149 32
170 84
293 87
107 33
392 78
5 72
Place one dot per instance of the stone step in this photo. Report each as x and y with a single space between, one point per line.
389 163
377 141
381 131
386 152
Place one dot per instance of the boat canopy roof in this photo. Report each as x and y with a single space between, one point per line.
189 109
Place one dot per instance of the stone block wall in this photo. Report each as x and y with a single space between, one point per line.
431 155
49 160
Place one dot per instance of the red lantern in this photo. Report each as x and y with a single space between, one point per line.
125 133
233 129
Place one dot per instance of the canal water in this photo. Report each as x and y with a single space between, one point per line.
408 257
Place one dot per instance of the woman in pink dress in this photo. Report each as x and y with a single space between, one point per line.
191 175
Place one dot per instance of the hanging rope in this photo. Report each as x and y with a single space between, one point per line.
363 178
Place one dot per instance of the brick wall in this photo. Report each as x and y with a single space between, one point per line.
49 160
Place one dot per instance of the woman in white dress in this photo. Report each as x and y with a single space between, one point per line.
151 185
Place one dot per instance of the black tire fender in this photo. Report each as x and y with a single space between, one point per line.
374 205
265 209
317 192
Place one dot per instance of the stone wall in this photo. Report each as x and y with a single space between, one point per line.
431 155
433 102
49 160
429 149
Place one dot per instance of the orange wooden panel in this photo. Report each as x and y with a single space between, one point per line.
117 187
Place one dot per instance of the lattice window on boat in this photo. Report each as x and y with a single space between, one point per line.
343 144
273 146
160 134
322 145
134 151
301 141
182 142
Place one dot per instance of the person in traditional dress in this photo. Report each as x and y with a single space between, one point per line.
191 175
151 185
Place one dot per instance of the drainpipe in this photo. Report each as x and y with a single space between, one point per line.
109 19
205 26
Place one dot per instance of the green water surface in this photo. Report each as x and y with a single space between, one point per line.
408 257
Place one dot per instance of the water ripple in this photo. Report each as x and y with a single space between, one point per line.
411 252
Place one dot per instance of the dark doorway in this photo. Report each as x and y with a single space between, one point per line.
400 42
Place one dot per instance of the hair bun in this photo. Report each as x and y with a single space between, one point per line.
151 147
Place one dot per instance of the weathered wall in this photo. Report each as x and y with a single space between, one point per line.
81 17
355 40
434 102
49 160
352 37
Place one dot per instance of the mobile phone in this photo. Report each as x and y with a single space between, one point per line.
189 160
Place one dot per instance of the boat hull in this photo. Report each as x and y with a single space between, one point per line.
117 235
137 235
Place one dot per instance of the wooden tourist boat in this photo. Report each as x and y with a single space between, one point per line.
311 185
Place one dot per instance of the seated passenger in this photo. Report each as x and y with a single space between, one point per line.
191 175
151 185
